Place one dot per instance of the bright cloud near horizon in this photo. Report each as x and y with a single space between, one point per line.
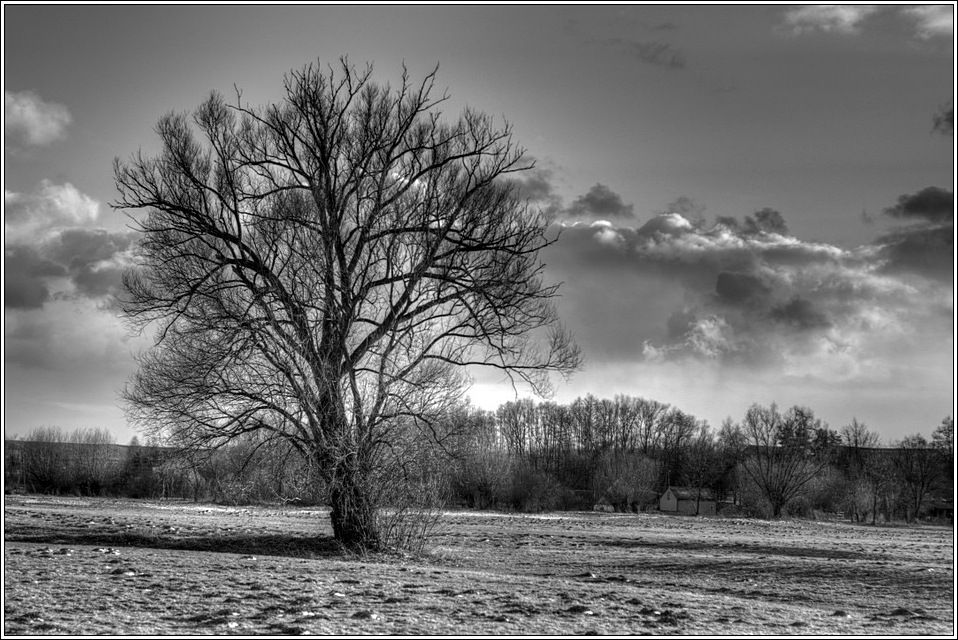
752 203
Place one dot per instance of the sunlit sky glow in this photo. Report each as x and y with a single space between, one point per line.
754 203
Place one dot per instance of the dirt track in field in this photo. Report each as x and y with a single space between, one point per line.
96 566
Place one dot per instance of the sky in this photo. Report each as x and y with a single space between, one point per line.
755 204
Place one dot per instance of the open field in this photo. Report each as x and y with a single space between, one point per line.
99 566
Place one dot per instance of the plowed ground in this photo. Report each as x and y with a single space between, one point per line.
118 567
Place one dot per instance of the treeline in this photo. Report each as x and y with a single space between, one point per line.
625 451
621 453
88 462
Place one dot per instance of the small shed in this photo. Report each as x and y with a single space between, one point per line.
688 500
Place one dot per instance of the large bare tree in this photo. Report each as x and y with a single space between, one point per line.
325 267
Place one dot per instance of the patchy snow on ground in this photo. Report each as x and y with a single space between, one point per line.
119 567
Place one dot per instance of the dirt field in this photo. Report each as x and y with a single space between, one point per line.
95 566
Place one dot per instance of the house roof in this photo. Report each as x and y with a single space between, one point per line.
692 493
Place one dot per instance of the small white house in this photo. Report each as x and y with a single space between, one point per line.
688 500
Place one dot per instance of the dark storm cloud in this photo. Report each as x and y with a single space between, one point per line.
740 288
800 314
672 290
25 274
600 202
730 222
926 247
54 234
536 186
660 54
91 259
931 204
80 247
944 121
925 250
765 220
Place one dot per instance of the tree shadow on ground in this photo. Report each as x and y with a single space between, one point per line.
251 544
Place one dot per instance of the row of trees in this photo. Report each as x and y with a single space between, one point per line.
88 462
627 450
528 456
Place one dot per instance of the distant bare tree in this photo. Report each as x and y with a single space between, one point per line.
702 464
730 449
651 414
518 423
918 469
943 440
859 460
94 462
880 482
45 460
786 451
323 269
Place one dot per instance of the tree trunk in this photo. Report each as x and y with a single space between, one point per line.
353 514
777 509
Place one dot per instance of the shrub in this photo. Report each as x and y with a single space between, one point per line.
626 480
534 490
480 481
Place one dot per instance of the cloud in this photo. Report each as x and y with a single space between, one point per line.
95 258
675 291
931 204
30 121
740 288
932 20
944 121
25 274
536 186
838 18
801 314
766 221
929 21
53 249
600 202
660 54
685 207
29 215
925 249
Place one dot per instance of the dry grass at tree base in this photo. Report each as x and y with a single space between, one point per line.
95 566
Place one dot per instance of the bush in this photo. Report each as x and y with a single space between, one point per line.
752 501
480 481
534 490
625 480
